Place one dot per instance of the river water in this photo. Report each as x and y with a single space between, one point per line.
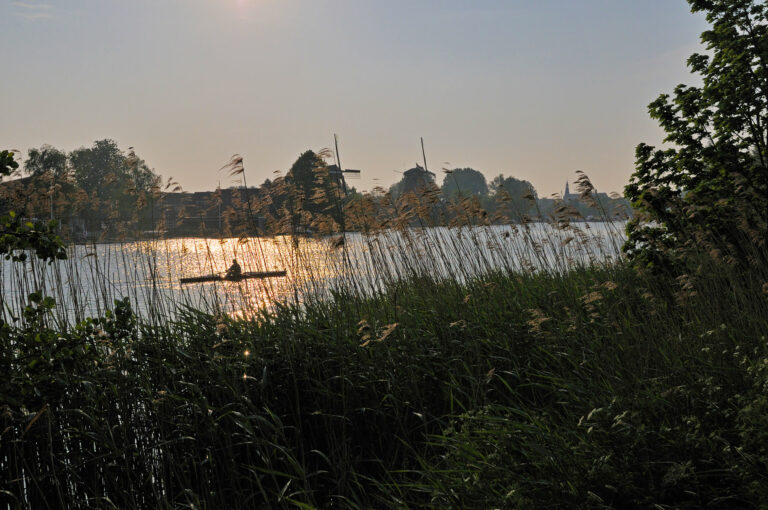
148 272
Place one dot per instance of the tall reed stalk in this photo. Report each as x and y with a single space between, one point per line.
433 363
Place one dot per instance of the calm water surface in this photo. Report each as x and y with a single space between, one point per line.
148 272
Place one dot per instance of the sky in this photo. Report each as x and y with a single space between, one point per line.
534 89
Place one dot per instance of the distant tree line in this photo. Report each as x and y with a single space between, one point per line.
88 189
108 191
508 198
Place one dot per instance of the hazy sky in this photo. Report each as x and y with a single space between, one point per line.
536 89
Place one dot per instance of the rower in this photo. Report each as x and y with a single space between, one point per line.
234 272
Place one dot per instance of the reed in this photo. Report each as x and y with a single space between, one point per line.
433 359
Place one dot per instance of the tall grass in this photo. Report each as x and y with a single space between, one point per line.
148 272
405 366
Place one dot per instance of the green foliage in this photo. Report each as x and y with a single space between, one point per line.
312 196
97 189
304 172
518 189
118 186
514 198
46 160
17 235
464 182
709 192
99 169
596 389
7 163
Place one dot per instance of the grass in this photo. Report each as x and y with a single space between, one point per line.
470 366
594 388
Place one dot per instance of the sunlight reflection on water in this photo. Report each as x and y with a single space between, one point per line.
148 272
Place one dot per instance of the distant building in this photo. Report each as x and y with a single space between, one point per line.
211 212
569 197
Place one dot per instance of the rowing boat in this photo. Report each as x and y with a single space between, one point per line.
243 276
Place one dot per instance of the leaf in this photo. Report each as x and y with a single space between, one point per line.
37 417
387 331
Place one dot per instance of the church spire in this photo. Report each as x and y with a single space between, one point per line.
567 194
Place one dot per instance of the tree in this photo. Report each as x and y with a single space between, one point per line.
516 188
119 187
17 235
98 169
512 198
314 196
709 191
306 175
144 190
464 182
46 161
51 184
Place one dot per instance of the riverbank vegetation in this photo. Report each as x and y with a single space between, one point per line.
613 382
591 382
599 388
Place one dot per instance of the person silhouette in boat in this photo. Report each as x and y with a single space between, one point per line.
234 272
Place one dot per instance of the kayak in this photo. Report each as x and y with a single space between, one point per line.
243 276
